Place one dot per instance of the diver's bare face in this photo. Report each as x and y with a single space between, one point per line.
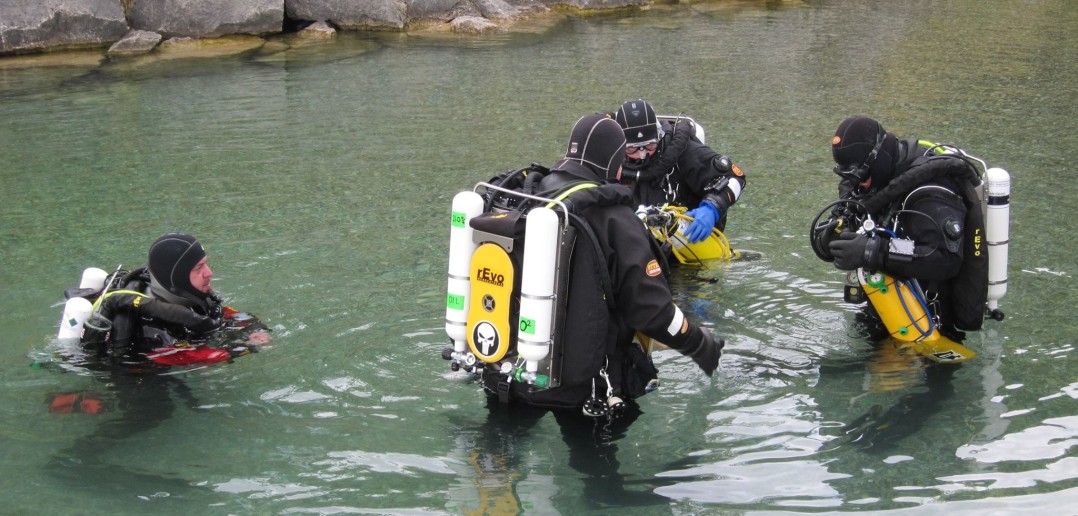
201 276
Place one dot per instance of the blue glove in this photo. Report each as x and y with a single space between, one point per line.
704 218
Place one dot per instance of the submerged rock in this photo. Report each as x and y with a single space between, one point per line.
135 42
473 25
180 48
318 30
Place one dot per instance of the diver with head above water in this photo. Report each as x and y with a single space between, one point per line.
667 163
922 228
554 285
165 312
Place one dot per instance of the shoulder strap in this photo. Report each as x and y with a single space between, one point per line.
564 194
604 273
584 228
923 170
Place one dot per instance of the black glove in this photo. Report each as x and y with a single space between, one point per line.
822 236
852 250
707 355
206 325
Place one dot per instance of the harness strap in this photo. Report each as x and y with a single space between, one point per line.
571 190
111 293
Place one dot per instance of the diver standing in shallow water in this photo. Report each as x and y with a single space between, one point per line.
613 287
665 164
610 291
924 221
166 304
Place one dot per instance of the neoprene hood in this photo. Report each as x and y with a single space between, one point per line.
637 119
598 143
172 258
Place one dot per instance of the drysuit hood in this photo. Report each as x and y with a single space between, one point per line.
863 149
172 258
598 144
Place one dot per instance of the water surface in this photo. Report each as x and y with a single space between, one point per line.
320 181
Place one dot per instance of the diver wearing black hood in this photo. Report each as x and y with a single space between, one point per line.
173 257
927 201
666 164
615 289
166 303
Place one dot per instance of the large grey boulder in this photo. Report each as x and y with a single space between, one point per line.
437 10
396 14
350 14
503 10
36 25
40 24
598 4
206 18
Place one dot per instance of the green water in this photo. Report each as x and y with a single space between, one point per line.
320 182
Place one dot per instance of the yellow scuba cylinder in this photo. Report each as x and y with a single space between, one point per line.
714 247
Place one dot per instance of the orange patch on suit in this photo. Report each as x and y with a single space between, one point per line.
653 268
737 170
836 140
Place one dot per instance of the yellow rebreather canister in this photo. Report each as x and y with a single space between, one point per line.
492 276
906 320
899 309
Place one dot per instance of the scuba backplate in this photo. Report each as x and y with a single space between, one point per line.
507 269
530 300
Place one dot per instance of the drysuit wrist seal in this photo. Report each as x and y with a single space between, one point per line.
873 258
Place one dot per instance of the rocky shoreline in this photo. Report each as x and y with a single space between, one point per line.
136 27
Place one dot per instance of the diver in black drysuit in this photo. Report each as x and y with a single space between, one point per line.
679 171
927 202
150 307
157 306
616 289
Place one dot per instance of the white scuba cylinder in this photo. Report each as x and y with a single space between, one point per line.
997 232
93 278
537 286
76 311
466 205
699 132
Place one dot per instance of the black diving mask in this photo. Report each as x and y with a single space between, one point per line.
859 173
